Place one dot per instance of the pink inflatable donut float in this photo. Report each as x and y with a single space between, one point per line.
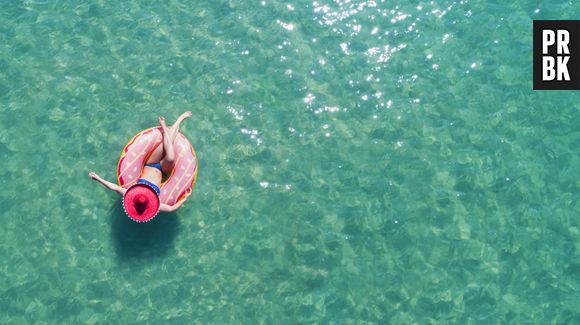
137 151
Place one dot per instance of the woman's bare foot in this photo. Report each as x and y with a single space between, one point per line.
184 116
163 125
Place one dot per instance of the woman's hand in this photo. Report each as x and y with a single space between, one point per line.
171 208
107 184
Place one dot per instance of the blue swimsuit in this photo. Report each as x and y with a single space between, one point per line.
156 165
148 183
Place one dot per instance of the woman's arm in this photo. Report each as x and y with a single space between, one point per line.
109 185
170 208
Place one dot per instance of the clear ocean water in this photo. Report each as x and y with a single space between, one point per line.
361 162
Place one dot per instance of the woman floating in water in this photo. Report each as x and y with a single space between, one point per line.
141 200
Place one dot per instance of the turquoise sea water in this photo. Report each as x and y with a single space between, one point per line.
360 162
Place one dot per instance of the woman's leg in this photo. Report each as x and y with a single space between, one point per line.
174 129
167 142
159 152
169 135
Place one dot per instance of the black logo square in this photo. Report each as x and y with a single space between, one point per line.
556 54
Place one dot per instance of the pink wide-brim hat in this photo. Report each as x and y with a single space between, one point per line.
141 203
